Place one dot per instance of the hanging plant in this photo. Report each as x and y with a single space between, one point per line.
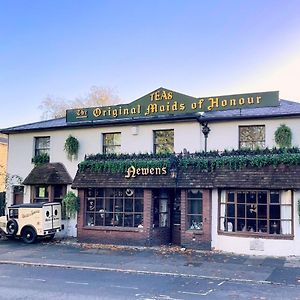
71 147
283 136
71 204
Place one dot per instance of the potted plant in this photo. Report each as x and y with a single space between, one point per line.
71 147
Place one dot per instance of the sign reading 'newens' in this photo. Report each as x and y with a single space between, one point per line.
166 102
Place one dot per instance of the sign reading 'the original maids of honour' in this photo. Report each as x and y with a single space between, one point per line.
166 102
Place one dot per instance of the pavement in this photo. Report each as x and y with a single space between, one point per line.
168 261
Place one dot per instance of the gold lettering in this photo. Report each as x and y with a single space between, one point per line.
156 96
152 96
224 102
152 108
145 171
250 100
214 102
97 112
258 98
130 172
157 171
241 101
232 102
200 103
152 171
170 95
138 171
181 106
162 108
194 105
115 113
164 95
164 170
126 111
175 106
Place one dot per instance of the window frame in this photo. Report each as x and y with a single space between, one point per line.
97 207
259 229
253 142
39 151
156 145
197 226
113 146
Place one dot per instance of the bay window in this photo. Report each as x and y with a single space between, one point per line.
257 212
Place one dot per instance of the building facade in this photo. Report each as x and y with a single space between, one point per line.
3 160
170 169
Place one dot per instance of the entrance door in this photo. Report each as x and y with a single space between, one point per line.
18 195
166 216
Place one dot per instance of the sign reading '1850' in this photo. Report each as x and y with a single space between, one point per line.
166 102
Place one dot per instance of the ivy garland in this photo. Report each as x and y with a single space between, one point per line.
41 159
71 147
283 136
204 161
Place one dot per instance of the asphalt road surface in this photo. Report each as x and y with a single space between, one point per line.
27 282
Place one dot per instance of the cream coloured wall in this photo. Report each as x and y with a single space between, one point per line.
255 246
3 163
226 135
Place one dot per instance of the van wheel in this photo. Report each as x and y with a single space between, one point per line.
12 227
28 235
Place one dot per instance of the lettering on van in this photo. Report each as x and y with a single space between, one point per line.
31 213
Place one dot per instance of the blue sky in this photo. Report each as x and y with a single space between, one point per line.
201 48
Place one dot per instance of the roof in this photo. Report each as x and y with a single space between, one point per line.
285 109
49 173
282 177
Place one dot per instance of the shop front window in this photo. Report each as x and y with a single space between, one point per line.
195 209
112 143
114 207
252 137
163 141
256 212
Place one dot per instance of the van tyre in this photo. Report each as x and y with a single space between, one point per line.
28 235
12 227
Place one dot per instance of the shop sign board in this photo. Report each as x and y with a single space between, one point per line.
163 102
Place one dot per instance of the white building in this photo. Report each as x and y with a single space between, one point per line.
240 201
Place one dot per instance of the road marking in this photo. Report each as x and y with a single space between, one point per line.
125 287
74 282
34 279
219 284
194 293
4 276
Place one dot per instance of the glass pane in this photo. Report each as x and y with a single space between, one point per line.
195 222
138 205
241 211
251 197
128 205
230 197
164 141
90 219
119 205
274 197
99 192
128 220
138 220
262 197
194 194
262 211
195 207
99 219
241 225
252 136
275 211
99 205
241 197
109 220
91 205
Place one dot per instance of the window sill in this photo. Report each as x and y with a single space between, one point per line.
110 228
258 235
195 231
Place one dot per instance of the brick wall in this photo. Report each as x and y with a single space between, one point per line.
196 239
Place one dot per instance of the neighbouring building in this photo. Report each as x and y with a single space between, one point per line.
3 160
168 168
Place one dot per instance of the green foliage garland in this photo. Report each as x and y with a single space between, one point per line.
283 136
71 147
203 161
71 204
41 159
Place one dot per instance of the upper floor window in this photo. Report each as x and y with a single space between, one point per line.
163 141
112 143
42 145
252 137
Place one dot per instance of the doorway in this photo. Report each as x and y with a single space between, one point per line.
166 216
18 194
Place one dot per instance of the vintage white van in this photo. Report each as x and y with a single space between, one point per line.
31 221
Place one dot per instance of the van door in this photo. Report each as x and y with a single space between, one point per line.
56 213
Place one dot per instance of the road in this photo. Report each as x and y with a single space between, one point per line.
30 282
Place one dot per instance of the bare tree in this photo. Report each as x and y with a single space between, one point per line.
54 107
